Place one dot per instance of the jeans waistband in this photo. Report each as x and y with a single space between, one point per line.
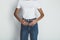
29 19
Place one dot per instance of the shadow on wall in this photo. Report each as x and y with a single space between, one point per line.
14 23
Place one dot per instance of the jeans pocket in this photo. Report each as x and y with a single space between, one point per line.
35 27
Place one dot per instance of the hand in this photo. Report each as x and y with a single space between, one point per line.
24 22
33 22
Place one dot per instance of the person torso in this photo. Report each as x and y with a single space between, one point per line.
29 8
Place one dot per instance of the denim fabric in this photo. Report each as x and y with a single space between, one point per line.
25 30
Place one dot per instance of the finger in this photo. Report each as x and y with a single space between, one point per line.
30 24
25 23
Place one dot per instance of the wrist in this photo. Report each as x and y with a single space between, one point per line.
36 20
21 19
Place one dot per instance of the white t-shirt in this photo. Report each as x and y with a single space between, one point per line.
29 8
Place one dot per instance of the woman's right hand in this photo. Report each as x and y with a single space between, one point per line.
24 22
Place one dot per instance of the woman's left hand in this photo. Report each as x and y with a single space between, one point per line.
33 22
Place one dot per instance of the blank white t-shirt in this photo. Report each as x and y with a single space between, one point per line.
29 8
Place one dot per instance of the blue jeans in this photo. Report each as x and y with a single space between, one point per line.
25 30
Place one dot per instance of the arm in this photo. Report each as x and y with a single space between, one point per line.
16 14
37 19
18 18
42 14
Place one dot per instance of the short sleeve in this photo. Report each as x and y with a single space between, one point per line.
37 13
18 5
38 5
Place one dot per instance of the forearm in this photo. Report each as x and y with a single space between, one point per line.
39 18
42 14
16 15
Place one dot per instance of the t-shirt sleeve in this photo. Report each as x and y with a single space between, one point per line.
37 13
18 5
38 5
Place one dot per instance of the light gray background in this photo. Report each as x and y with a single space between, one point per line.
49 26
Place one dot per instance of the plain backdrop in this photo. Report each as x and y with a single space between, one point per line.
49 26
